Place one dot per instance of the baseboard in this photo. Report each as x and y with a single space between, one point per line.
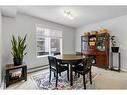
31 70
125 70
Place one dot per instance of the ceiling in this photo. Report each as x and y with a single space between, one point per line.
83 15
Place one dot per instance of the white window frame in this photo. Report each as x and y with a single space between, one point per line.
51 28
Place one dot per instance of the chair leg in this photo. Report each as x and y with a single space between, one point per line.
68 74
54 74
84 81
90 76
75 74
78 75
56 79
50 76
60 74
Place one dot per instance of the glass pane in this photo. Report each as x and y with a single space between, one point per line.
55 45
43 46
55 33
48 41
84 43
84 38
100 43
48 32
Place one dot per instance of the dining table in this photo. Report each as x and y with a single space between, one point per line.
70 59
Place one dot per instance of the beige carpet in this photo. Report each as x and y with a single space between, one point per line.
111 80
105 79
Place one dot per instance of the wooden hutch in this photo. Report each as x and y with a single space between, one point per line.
96 45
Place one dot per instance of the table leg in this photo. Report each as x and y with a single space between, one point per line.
71 76
119 62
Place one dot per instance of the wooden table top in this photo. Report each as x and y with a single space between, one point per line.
69 57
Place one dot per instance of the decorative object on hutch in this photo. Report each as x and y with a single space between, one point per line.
97 45
18 48
114 47
86 33
103 30
93 32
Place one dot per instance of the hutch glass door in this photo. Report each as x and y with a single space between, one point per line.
84 43
101 42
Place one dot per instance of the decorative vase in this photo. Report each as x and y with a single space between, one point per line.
103 30
115 49
17 61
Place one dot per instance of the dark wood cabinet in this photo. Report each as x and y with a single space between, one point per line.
96 45
11 67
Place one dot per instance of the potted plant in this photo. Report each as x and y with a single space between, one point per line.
114 47
18 48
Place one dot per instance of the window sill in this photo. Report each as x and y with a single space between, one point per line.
42 56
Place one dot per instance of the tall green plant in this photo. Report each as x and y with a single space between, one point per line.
18 47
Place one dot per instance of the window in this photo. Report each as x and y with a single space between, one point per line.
48 41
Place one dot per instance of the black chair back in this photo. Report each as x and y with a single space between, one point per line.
57 53
85 69
87 62
52 61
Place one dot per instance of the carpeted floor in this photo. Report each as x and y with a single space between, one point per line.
105 79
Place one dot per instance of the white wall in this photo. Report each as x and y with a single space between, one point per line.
116 26
24 24
0 49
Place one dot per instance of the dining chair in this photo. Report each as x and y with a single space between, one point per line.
80 54
84 69
55 66
57 53
61 61
79 62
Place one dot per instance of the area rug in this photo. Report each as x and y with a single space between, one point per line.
42 81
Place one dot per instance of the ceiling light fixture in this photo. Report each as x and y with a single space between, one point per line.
68 13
